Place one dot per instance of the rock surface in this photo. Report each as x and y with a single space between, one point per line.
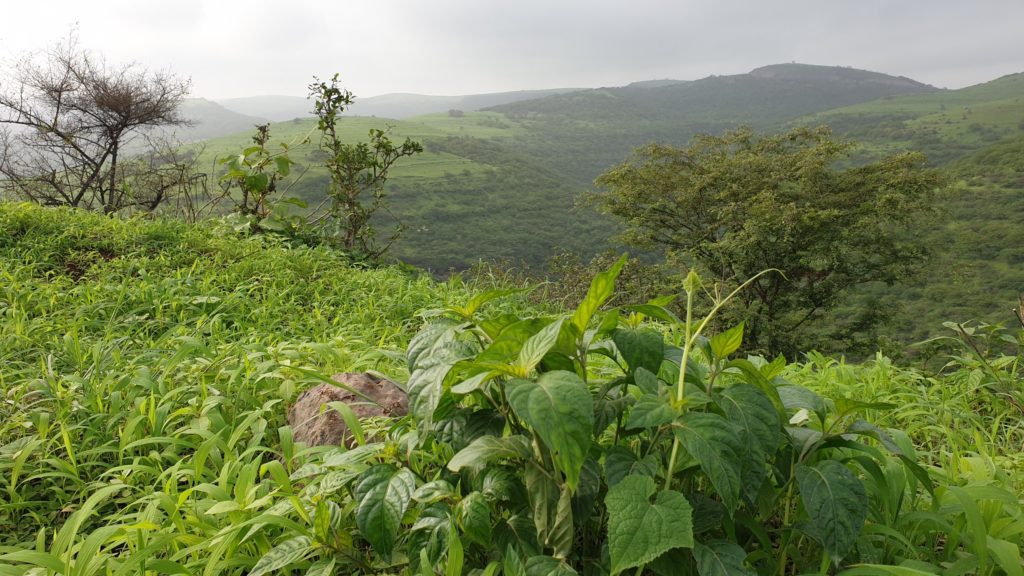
314 427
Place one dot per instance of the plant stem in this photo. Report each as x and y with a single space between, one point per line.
680 387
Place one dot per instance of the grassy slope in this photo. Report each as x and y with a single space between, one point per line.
122 344
144 367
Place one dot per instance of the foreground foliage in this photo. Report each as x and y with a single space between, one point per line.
146 366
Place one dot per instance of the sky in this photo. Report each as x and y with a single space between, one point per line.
450 47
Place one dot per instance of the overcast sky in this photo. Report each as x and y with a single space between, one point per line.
255 47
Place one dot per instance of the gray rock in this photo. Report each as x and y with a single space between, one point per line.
316 427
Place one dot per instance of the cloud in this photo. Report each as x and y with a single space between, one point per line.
466 46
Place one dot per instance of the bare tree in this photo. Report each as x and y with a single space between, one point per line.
67 118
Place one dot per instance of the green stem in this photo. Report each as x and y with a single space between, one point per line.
680 387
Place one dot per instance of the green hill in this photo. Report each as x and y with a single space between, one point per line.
455 197
946 125
282 108
532 158
582 133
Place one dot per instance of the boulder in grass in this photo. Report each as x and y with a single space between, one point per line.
316 426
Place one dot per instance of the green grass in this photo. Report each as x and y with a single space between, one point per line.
145 367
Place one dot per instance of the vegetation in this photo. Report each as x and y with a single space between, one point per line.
534 158
67 123
355 170
739 203
146 366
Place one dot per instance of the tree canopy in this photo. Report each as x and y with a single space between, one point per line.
737 204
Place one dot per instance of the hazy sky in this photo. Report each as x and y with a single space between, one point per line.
467 46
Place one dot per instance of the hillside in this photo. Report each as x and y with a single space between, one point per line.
977 133
148 367
273 108
532 159
946 125
584 132
210 120
282 108
455 198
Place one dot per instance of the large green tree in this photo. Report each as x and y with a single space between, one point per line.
737 204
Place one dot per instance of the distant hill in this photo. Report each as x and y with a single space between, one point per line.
582 133
655 83
532 158
210 120
273 108
282 108
407 105
946 124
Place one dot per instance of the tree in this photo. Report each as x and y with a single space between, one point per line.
68 118
356 171
741 203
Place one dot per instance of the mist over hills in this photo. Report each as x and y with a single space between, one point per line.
210 119
400 105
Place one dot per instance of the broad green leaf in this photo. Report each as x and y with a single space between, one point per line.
589 489
647 380
487 448
425 388
430 336
474 517
749 407
836 503
655 310
284 165
547 566
323 567
752 375
620 462
868 429
508 344
601 289
797 397
642 348
383 493
222 507
640 530
434 491
274 224
725 343
283 555
558 406
537 346
543 493
714 443
1007 555
720 558
472 383
257 183
760 432
562 532
650 411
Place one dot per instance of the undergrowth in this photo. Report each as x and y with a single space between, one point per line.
145 367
